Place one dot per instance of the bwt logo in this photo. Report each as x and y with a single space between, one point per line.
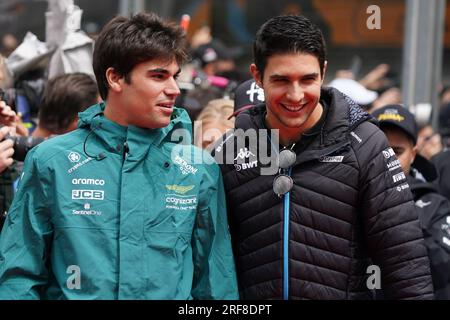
88 194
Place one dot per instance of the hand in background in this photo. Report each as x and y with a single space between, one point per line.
7 115
6 149
9 118
376 78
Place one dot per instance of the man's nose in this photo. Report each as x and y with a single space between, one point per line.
172 88
295 93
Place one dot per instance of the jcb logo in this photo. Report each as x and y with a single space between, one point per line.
88 194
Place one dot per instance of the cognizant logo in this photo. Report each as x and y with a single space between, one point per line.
93 182
178 201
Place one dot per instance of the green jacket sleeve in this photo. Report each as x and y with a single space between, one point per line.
214 269
25 237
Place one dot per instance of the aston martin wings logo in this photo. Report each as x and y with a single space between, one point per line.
180 189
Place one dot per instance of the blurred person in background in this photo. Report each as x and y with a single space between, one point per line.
445 95
401 131
9 44
9 170
374 90
247 95
194 100
442 160
11 125
215 58
429 142
392 95
210 75
355 91
214 120
64 97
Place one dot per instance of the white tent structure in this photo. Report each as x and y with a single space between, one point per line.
74 48
67 49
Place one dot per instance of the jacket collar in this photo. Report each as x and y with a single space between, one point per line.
113 136
342 117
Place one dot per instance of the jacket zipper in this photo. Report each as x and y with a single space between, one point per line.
287 198
125 151
124 155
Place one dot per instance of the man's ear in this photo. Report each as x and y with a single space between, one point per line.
414 152
325 66
115 81
256 75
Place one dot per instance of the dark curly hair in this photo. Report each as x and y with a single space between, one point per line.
126 42
288 34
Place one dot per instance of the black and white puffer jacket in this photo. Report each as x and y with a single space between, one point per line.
350 207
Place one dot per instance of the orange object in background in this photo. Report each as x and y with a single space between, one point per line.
185 21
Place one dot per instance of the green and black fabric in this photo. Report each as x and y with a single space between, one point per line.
7 179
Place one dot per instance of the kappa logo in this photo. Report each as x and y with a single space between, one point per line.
180 189
74 157
244 154
331 159
421 204
388 153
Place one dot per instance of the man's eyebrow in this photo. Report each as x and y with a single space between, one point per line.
158 70
164 71
275 76
314 74
280 76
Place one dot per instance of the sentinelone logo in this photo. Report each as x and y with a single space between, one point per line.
87 211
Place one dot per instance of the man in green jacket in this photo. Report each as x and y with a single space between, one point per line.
116 209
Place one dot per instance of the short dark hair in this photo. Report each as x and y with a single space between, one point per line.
126 42
65 96
288 34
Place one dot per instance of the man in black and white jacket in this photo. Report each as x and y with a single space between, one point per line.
334 208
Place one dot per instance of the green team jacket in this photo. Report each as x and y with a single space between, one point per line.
93 219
